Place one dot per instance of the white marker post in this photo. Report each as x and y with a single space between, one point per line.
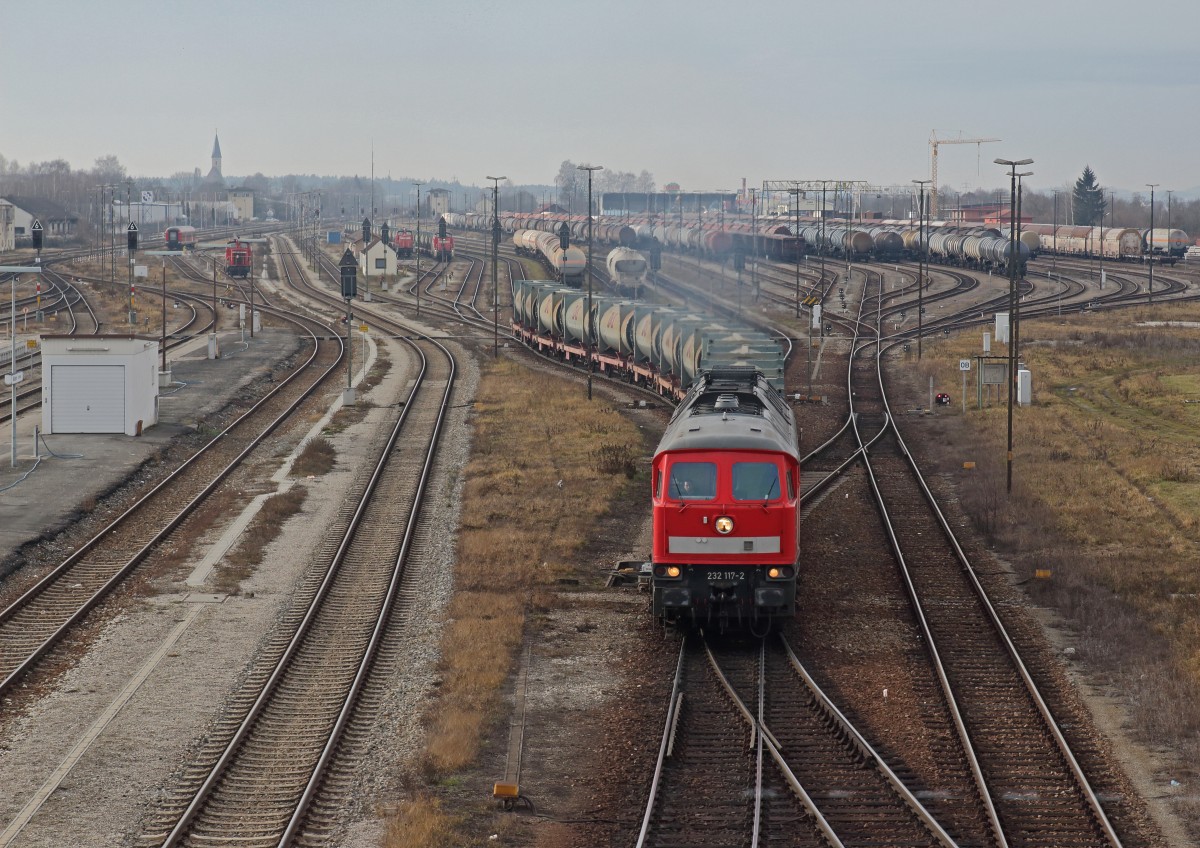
964 365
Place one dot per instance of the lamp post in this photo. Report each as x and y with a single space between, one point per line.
1150 245
1012 298
14 376
418 251
163 254
1016 328
795 192
1101 193
754 238
1169 191
496 247
921 265
1054 241
588 323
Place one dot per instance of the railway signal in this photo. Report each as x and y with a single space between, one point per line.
348 267
131 239
35 233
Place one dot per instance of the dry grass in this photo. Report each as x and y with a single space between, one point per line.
318 457
531 496
264 529
420 823
1106 494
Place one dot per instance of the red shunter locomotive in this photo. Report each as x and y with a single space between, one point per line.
402 241
725 495
238 259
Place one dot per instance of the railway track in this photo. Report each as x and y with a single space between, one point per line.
755 753
271 783
281 765
43 615
1025 770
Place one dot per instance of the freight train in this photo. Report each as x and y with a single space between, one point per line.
1113 243
180 238
568 264
440 247
973 247
239 259
659 347
724 494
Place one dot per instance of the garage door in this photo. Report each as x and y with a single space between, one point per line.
87 399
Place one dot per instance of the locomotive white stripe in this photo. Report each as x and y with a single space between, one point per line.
723 544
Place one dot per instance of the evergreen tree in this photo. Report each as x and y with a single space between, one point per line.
1087 200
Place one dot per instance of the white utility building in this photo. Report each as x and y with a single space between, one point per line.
378 260
99 384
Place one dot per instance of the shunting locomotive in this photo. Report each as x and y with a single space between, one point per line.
239 258
725 489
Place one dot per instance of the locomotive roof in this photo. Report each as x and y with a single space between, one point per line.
733 408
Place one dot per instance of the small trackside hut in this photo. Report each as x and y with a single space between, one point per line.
724 493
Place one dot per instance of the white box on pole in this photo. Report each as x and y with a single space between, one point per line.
816 315
987 342
1002 327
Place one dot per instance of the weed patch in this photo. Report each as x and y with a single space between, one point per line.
318 457
532 493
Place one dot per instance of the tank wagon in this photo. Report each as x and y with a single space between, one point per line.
568 265
627 269
659 347
724 488
1169 245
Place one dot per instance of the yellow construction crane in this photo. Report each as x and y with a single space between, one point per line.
934 141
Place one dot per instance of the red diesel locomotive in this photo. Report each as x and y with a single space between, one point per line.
725 495
238 259
402 241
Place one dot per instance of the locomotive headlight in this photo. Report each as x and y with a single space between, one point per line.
724 525
774 573
674 571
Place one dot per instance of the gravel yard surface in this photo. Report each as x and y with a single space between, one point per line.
104 743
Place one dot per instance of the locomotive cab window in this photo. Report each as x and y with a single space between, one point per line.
755 481
791 483
693 481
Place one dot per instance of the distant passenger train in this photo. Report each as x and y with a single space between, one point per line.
179 238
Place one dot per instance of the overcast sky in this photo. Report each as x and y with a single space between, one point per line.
697 92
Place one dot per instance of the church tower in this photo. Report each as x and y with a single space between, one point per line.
215 173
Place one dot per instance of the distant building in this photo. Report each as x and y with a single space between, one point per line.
663 202
438 202
243 201
210 203
376 260
58 223
7 236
